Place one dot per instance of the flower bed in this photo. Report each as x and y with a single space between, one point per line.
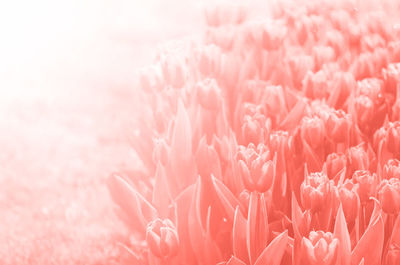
270 141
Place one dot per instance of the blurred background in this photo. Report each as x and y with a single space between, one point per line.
67 107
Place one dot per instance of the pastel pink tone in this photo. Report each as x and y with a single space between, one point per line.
270 141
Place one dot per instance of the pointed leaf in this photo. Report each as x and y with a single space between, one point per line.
272 255
257 226
161 195
341 232
294 116
228 200
373 236
239 236
137 208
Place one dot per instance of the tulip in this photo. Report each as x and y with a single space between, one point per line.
342 85
393 138
389 195
391 169
313 131
358 158
315 84
364 111
335 162
315 191
162 238
256 168
349 198
320 248
393 255
338 126
255 128
209 60
391 77
367 184
209 94
173 70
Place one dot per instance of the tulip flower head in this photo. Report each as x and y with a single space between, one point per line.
316 191
162 238
320 248
257 167
389 195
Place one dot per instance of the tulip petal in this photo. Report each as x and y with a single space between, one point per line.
273 253
341 232
374 235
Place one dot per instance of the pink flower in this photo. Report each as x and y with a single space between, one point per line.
389 195
349 198
391 169
316 191
367 184
256 167
209 94
320 248
335 163
313 131
338 126
162 238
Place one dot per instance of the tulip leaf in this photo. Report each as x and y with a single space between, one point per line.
341 232
239 236
273 253
373 236
138 209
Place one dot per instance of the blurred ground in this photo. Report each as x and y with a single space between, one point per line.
67 106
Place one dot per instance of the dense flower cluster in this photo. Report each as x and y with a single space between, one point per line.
270 141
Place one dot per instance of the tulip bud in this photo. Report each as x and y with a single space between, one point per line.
391 77
391 169
209 94
255 128
256 168
315 85
313 131
322 55
173 71
342 84
393 255
393 138
349 199
367 184
320 248
279 142
315 191
274 99
224 13
364 110
338 126
389 195
162 238
335 162
160 152
209 60
357 158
